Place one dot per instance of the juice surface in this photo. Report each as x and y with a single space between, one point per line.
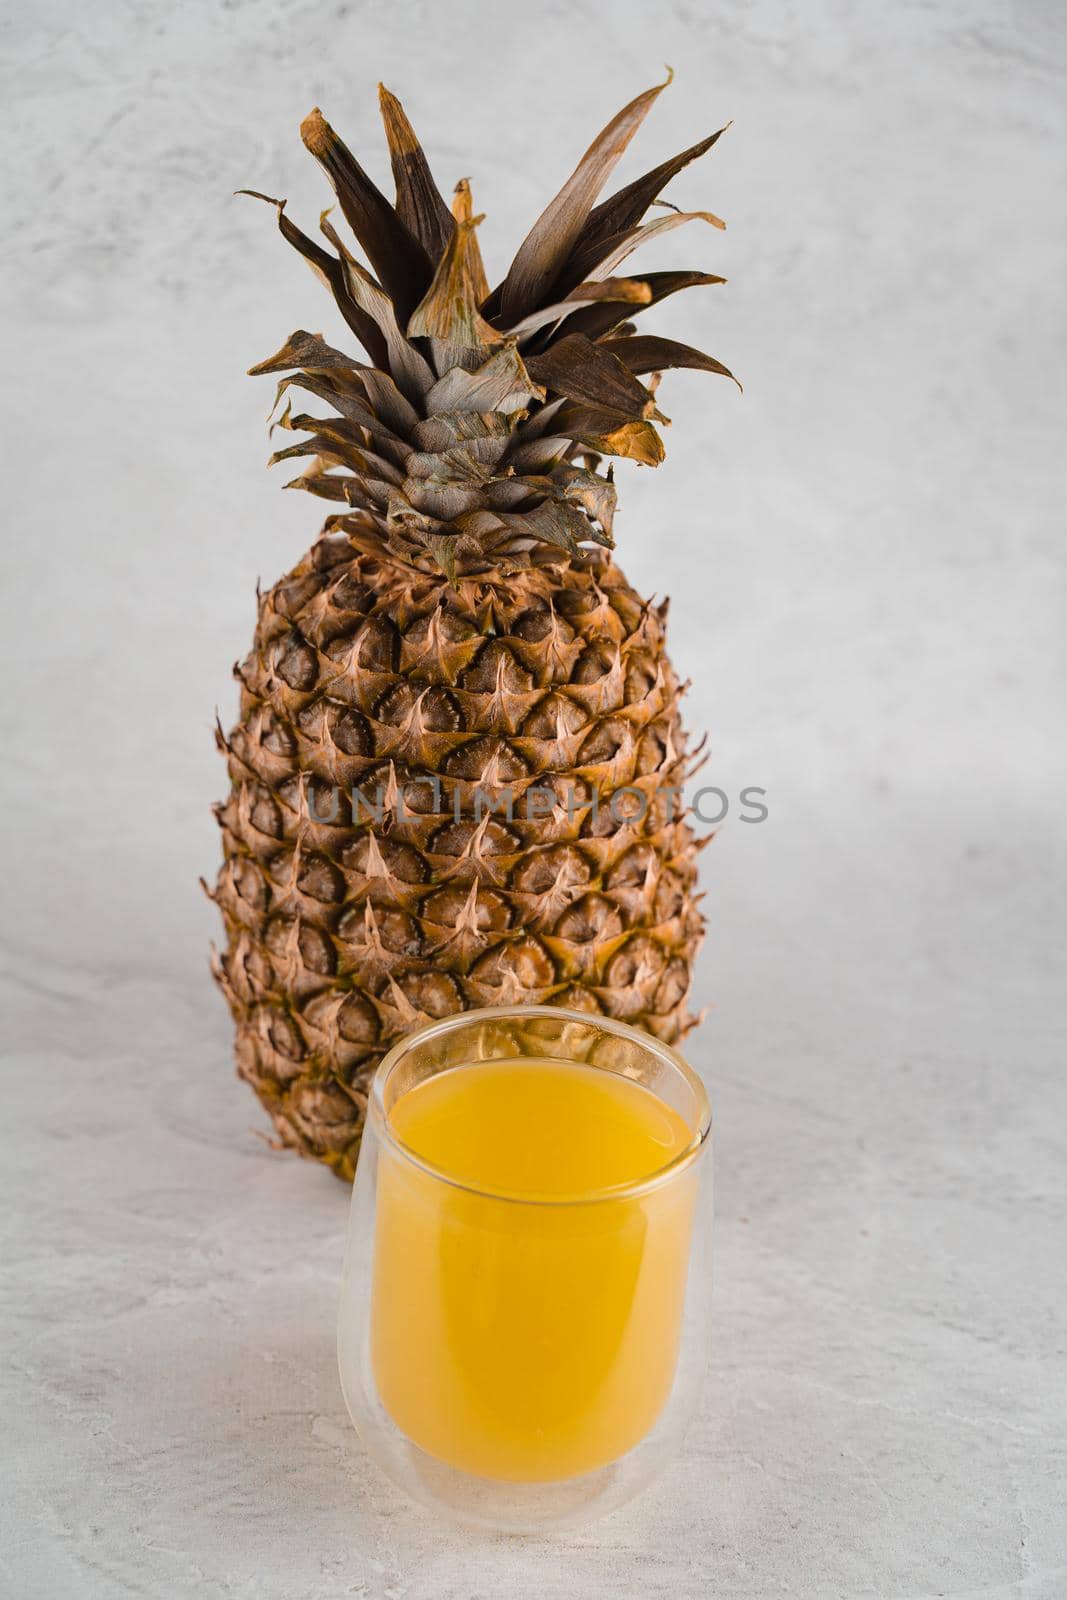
518 1340
539 1128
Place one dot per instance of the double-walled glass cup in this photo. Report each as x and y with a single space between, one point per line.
519 1361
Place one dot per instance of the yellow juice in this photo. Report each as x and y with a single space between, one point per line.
529 1333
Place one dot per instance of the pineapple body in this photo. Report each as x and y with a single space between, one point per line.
441 709
456 774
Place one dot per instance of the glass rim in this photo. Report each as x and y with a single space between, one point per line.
379 1116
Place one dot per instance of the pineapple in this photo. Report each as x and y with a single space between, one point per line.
455 775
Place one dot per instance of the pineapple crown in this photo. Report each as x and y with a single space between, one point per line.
473 438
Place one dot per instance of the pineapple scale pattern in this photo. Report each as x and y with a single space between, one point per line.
347 928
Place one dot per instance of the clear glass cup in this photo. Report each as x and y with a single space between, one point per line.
525 1363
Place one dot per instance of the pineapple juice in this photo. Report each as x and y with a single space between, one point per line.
526 1327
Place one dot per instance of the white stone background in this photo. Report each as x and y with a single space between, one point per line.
865 554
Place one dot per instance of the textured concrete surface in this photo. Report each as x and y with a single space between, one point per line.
865 555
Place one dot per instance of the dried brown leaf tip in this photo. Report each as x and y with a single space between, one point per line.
419 203
459 442
450 313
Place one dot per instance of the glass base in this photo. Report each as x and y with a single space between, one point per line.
490 1504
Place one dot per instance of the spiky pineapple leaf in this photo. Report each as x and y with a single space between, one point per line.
367 396
328 384
625 209
402 264
420 204
446 485
625 291
463 211
319 444
449 311
447 428
596 320
600 260
303 349
443 549
410 370
647 353
344 452
542 421
333 486
356 418
535 455
443 500
346 383
549 242
581 370
402 514
393 407
452 466
553 522
500 384
595 495
330 271
612 435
